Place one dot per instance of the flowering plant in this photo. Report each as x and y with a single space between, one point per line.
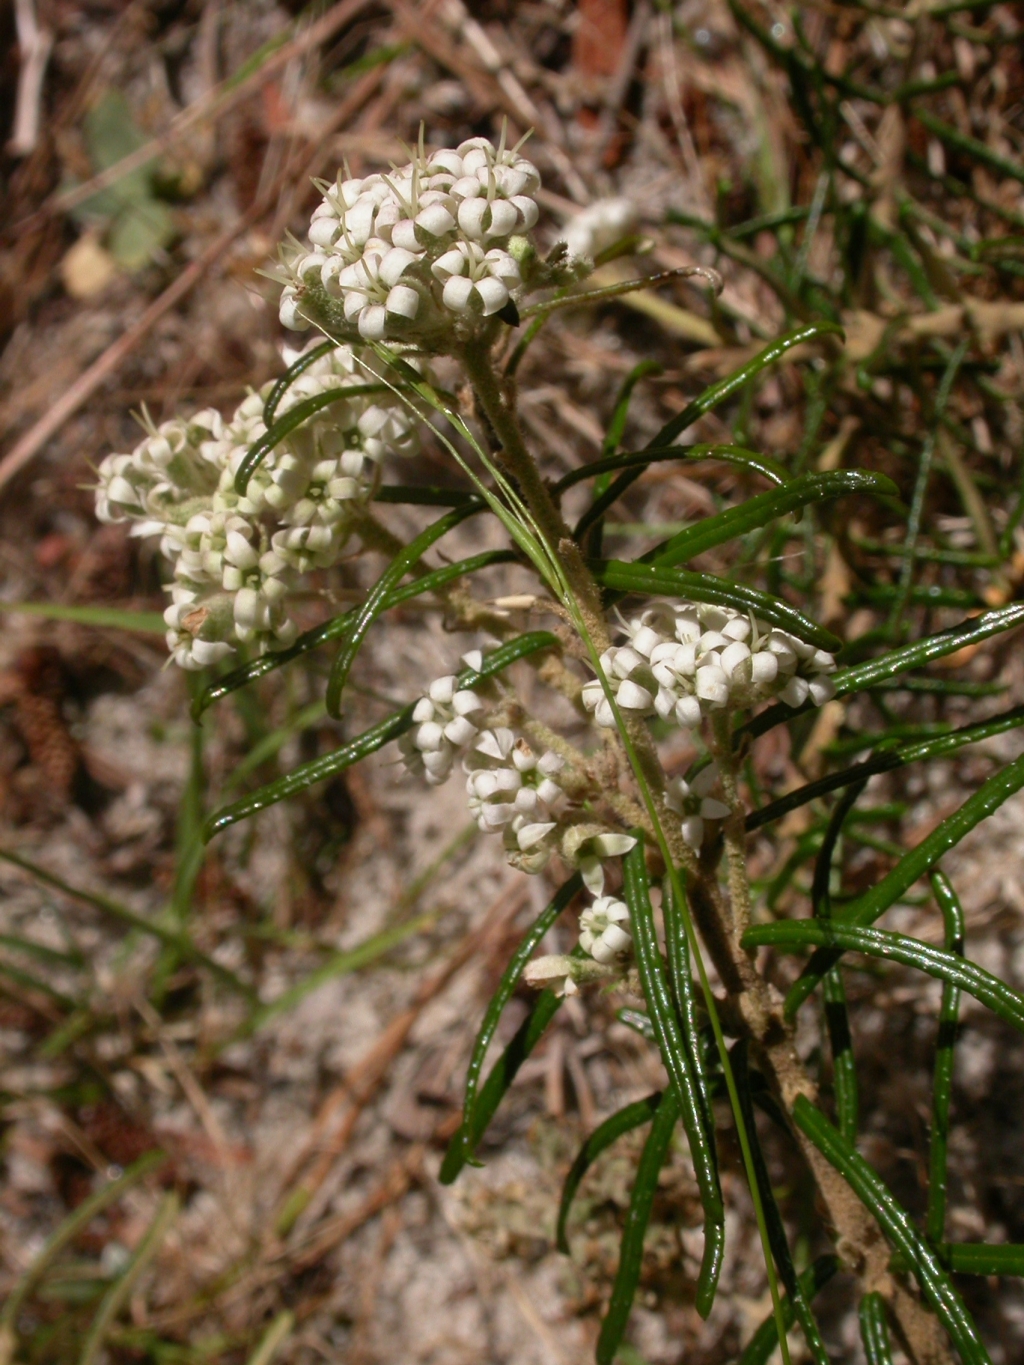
436 259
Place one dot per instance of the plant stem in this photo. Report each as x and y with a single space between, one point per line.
520 465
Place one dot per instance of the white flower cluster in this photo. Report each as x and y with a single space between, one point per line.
688 659
404 253
235 559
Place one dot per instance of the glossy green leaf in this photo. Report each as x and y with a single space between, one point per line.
377 598
862 677
777 1239
936 1285
338 626
973 1258
500 1077
653 580
874 1330
506 987
731 454
836 1014
293 418
915 752
329 765
705 402
676 1057
765 1340
284 383
942 1081
631 1250
604 1135
908 952
766 508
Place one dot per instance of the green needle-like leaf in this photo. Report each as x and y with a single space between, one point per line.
509 980
764 509
653 580
604 1135
885 761
731 454
284 383
293 418
677 1059
836 1014
329 765
867 908
908 952
705 402
874 1330
641 1202
773 1218
936 1285
765 1340
377 598
942 1083
338 627
501 1076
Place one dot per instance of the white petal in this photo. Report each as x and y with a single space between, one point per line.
633 697
492 293
795 692
373 322
612 845
531 835
692 830
456 293
403 301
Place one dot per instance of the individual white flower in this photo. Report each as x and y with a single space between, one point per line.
692 801
604 929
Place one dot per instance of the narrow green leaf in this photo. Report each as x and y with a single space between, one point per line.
620 415
506 987
765 1340
836 1014
915 752
604 1135
773 1218
704 587
738 455
705 402
942 1082
725 388
377 598
293 418
677 950
874 1330
935 1284
973 1258
500 1077
908 952
113 618
338 626
175 938
329 765
421 496
76 1222
677 1060
282 385
971 146
631 1251
765 508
